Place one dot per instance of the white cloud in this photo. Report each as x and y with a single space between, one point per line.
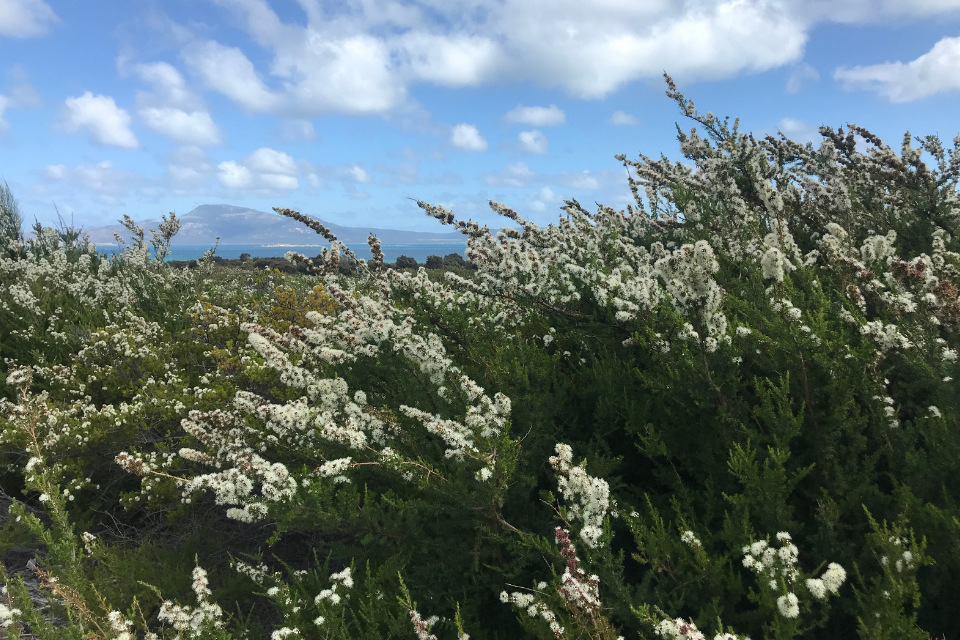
533 141
453 61
172 109
5 103
536 116
359 174
195 128
583 181
25 18
102 178
298 131
108 124
265 170
543 197
268 160
517 174
468 138
56 171
234 176
934 72
360 61
622 118
799 130
188 167
227 70
801 73
171 88
279 182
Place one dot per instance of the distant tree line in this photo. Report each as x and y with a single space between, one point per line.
347 266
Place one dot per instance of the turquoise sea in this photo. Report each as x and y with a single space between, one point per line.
418 252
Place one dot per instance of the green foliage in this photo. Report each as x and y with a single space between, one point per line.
701 417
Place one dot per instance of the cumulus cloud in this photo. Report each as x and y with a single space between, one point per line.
25 18
235 176
799 130
517 174
266 160
171 109
194 128
453 61
533 141
536 116
542 198
188 167
934 72
105 181
169 85
279 182
297 131
468 138
359 174
622 118
581 181
801 73
227 70
107 123
265 169
361 61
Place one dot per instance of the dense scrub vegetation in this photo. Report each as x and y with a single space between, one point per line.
731 412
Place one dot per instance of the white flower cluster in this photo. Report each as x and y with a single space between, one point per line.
780 248
829 582
529 603
483 420
257 573
335 469
687 273
193 622
680 629
906 561
8 615
343 578
221 431
777 570
690 538
422 627
588 497
120 626
769 564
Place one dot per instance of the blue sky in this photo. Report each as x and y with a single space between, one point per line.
344 109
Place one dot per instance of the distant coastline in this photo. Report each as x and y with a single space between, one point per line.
416 250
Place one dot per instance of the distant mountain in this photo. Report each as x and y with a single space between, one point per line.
240 225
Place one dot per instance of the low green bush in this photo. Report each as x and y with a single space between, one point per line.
733 414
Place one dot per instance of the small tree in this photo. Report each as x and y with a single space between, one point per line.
406 262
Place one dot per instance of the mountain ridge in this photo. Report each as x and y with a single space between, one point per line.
243 225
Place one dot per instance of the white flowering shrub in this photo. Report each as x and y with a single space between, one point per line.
729 412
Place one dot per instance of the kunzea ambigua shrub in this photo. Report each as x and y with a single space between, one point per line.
729 413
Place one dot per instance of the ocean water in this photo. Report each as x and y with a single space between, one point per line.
418 252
